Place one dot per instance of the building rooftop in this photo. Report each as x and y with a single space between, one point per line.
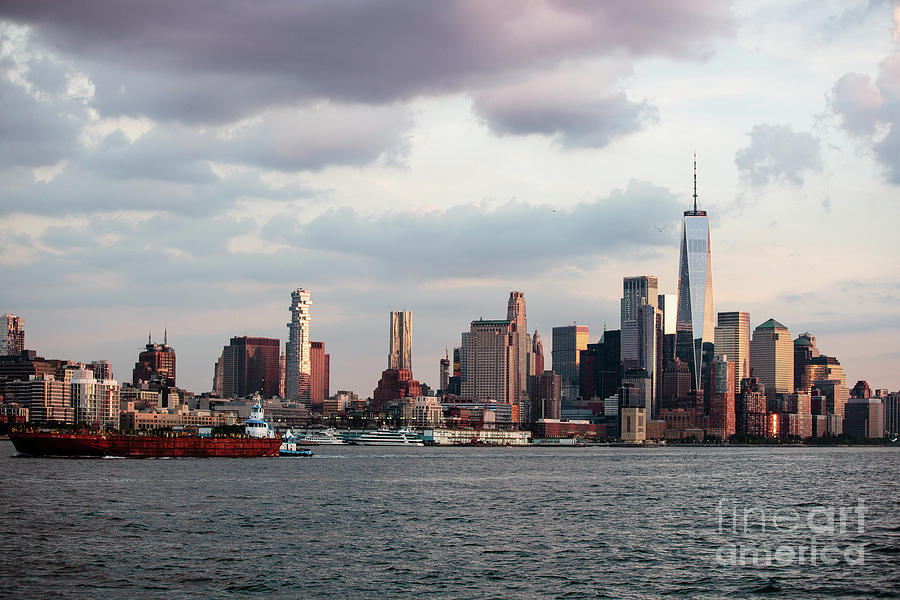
772 324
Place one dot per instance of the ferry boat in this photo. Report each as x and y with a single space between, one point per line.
320 438
289 446
386 437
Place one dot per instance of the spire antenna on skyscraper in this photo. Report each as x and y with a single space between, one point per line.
695 182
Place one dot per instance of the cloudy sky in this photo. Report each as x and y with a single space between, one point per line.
187 164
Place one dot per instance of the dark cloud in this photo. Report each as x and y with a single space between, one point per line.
553 109
778 153
218 61
868 110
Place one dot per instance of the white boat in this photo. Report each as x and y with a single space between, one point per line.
386 437
257 426
319 438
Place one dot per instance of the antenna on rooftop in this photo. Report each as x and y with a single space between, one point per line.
695 182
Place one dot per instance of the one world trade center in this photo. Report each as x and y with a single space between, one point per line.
695 322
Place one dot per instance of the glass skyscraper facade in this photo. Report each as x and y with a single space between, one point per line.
696 317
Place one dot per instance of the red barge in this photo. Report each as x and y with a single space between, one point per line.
40 443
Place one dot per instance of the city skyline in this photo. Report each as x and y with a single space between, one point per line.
168 187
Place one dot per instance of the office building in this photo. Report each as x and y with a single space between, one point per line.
515 314
45 397
772 357
668 306
721 415
155 365
732 339
544 392
864 418
319 373
444 375
298 365
600 367
12 335
568 342
248 365
400 346
537 353
694 327
489 361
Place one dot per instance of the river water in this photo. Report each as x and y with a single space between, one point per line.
364 522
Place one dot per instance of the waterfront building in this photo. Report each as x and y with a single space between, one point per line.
96 401
834 396
863 418
490 361
298 365
753 407
732 339
155 364
722 422
633 424
694 327
797 418
12 335
772 357
400 346
248 365
544 392
891 404
319 373
46 398
568 342
804 351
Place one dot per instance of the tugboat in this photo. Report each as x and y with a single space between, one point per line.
289 446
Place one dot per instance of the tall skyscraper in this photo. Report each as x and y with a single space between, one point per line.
568 342
248 365
320 373
537 351
600 368
637 291
490 365
155 365
297 348
694 327
400 351
12 335
732 338
515 314
668 306
772 357
444 375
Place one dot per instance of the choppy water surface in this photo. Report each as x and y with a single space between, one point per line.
368 522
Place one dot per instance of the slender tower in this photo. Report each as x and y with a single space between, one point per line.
297 349
695 326
400 351
515 314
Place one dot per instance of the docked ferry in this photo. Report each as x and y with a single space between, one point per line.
387 437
